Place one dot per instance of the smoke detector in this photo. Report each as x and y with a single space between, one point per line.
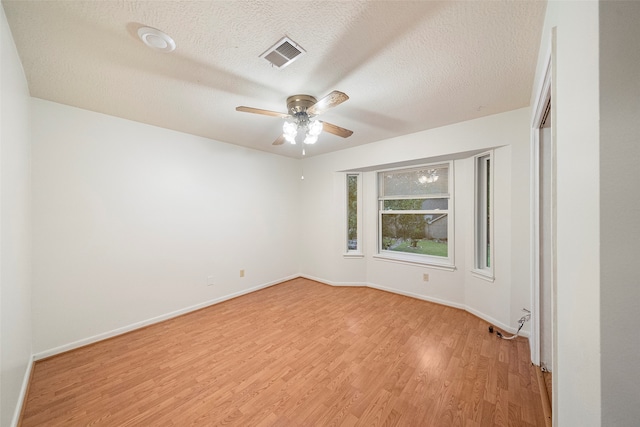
283 53
156 39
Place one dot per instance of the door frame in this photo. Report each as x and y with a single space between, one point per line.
543 98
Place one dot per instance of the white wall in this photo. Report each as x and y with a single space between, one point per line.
575 112
619 211
15 228
323 211
130 220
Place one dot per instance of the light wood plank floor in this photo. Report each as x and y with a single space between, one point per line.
296 354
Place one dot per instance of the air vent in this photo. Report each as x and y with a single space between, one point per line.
283 53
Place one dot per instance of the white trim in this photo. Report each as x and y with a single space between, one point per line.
534 342
417 296
353 254
539 106
418 262
123 330
494 322
138 325
23 394
332 283
447 303
482 274
542 94
466 308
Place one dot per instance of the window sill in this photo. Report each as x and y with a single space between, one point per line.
484 275
353 255
416 262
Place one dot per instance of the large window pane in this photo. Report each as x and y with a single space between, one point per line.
416 233
415 205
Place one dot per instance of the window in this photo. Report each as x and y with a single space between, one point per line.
415 220
354 222
483 215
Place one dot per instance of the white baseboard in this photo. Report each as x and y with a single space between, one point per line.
80 343
417 296
471 310
167 316
494 322
23 394
153 320
328 282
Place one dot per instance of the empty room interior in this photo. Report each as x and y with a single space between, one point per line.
319 213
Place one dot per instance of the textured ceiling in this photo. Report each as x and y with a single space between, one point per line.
407 66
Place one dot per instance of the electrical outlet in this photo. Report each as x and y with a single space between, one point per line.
241 273
209 280
425 277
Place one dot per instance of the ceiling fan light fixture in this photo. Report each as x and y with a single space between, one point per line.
302 113
315 127
289 131
310 139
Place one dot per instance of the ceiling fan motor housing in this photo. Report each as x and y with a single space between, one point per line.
299 103
297 106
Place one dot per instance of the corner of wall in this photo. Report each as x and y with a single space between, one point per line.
15 229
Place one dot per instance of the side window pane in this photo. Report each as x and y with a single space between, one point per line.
483 221
488 204
352 212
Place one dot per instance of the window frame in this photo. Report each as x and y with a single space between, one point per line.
357 252
446 263
483 213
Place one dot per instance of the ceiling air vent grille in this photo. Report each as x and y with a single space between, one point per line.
283 53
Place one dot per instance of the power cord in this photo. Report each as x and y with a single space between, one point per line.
522 321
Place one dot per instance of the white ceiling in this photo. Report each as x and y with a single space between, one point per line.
406 65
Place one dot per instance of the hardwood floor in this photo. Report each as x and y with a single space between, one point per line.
545 386
299 353
548 382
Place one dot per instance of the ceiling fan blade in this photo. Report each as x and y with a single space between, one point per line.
279 140
263 112
333 99
336 130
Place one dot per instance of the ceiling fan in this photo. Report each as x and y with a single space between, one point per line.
302 112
